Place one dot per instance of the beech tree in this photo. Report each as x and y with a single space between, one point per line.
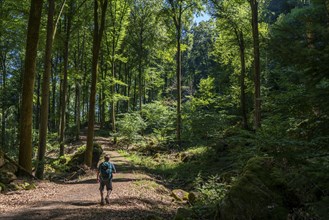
179 11
100 7
257 72
44 111
25 137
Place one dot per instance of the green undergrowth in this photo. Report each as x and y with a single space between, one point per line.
243 175
184 168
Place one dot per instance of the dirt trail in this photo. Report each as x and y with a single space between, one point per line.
135 196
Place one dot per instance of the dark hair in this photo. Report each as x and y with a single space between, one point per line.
107 157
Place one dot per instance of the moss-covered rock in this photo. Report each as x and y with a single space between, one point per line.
183 214
2 187
193 197
2 159
259 193
7 177
78 158
9 167
179 194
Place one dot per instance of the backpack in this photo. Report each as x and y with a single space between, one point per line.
106 170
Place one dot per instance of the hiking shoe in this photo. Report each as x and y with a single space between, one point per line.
102 202
107 200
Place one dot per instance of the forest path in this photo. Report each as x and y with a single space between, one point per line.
135 196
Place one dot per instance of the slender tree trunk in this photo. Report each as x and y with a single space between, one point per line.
140 70
255 34
135 93
113 87
179 75
25 146
242 81
127 88
98 33
77 109
64 91
53 105
102 95
37 107
45 91
4 96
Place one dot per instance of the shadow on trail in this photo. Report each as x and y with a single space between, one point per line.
92 210
93 181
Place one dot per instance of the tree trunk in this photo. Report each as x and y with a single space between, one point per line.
129 75
4 96
140 70
135 93
242 81
102 96
179 75
45 92
77 109
37 107
25 147
255 34
113 87
53 105
64 91
98 33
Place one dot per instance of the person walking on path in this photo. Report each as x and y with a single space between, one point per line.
104 177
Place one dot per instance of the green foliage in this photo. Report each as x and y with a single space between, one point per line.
205 110
212 190
159 119
130 126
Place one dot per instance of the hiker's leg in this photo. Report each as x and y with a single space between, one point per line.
101 190
109 190
108 193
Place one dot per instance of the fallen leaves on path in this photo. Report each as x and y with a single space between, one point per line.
135 196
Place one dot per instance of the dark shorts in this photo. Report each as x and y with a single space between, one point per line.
107 183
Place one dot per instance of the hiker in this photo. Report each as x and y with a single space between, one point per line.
104 177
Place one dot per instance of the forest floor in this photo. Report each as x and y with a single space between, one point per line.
135 195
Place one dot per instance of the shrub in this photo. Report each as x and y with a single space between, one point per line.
159 119
130 126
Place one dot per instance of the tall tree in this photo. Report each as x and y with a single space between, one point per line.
68 25
25 137
45 91
233 18
255 34
97 39
118 21
142 31
176 10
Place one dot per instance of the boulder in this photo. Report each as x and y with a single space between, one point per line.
183 214
179 194
9 167
79 157
2 159
193 197
259 192
2 187
7 177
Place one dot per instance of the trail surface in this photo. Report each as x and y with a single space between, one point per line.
135 196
